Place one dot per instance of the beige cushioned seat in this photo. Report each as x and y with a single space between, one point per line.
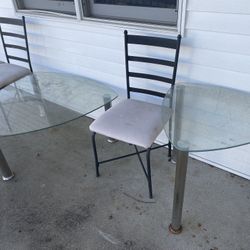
132 121
10 73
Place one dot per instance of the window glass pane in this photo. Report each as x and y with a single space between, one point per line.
58 6
145 3
143 11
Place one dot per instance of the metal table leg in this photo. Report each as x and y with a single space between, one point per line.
180 178
5 171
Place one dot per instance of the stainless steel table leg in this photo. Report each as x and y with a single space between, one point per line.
180 178
5 171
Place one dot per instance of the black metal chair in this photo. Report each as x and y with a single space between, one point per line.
133 121
12 72
21 34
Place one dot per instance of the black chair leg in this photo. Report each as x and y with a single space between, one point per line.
149 174
169 151
95 154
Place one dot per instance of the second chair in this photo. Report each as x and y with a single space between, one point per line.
15 45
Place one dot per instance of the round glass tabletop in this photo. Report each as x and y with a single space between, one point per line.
44 100
207 117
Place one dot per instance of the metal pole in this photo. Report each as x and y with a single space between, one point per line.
180 178
173 156
107 102
5 171
107 105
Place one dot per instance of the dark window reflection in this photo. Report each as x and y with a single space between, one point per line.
142 3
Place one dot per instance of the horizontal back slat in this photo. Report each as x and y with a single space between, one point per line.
13 35
152 41
14 21
149 76
12 45
18 59
147 91
15 46
151 60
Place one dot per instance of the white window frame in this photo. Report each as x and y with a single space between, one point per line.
179 28
141 14
49 13
81 16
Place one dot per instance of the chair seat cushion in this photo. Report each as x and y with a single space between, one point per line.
131 121
10 73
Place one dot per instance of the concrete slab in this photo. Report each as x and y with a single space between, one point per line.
56 202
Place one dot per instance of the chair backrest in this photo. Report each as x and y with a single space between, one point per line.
167 43
9 45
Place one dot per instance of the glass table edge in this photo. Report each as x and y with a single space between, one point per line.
59 124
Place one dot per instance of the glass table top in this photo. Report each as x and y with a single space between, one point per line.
44 100
207 117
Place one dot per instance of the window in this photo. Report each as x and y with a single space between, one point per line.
59 6
146 11
161 12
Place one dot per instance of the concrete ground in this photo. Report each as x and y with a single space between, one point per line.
56 202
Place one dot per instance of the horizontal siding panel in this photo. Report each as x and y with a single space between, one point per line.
7 12
113 80
222 6
2 57
74 61
6 4
197 73
216 59
108 54
238 158
71 35
77 25
97 26
98 65
235 160
222 42
50 64
217 22
79 49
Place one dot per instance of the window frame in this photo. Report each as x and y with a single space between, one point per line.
139 14
48 13
81 16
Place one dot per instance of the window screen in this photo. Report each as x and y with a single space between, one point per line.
146 11
58 6
142 11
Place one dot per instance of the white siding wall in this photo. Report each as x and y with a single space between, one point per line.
217 45
215 49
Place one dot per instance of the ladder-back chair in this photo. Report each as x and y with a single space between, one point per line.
133 121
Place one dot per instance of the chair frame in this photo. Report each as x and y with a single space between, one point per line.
156 42
18 22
